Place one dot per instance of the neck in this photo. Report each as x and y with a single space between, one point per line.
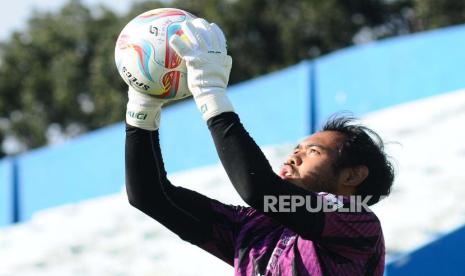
345 191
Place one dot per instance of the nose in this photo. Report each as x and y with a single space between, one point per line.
294 159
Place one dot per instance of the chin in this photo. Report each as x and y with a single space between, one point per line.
296 182
289 179
304 186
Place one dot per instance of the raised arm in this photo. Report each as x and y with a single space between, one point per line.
198 219
204 50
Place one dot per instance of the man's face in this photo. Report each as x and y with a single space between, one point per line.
311 166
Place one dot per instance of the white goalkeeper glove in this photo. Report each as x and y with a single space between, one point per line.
143 111
203 47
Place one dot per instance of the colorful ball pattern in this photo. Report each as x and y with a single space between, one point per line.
144 58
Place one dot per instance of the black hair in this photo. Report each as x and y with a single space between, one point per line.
363 146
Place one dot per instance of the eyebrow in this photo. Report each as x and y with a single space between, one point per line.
314 145
324 148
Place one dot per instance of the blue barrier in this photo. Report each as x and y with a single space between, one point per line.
437 258
393 71
90 166
6 192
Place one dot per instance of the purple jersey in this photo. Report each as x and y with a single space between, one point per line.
349 244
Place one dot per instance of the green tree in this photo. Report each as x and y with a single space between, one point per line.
431 14
57 77
59 73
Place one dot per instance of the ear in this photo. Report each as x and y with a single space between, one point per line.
355 175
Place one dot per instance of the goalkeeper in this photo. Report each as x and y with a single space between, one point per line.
343 159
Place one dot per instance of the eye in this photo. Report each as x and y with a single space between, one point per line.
312 151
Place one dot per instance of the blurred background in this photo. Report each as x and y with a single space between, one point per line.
399 65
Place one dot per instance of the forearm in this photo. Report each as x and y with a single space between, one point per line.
194 217
246 166
143 174
150 191
244 162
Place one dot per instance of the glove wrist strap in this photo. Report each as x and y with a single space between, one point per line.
143 111
213 104
145 117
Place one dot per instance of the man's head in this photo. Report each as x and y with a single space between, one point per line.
343 159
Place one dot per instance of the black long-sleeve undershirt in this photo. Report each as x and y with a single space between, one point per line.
190 214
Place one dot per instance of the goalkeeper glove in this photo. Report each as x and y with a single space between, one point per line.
203 47
143 111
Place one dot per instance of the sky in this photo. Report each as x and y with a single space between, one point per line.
14 15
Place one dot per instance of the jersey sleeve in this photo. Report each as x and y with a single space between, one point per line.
357 230
196 218
350 237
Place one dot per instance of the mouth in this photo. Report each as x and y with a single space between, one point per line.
286 172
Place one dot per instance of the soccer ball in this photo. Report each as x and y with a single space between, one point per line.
144 58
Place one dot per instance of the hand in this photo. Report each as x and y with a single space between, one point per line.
143 111
203 47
